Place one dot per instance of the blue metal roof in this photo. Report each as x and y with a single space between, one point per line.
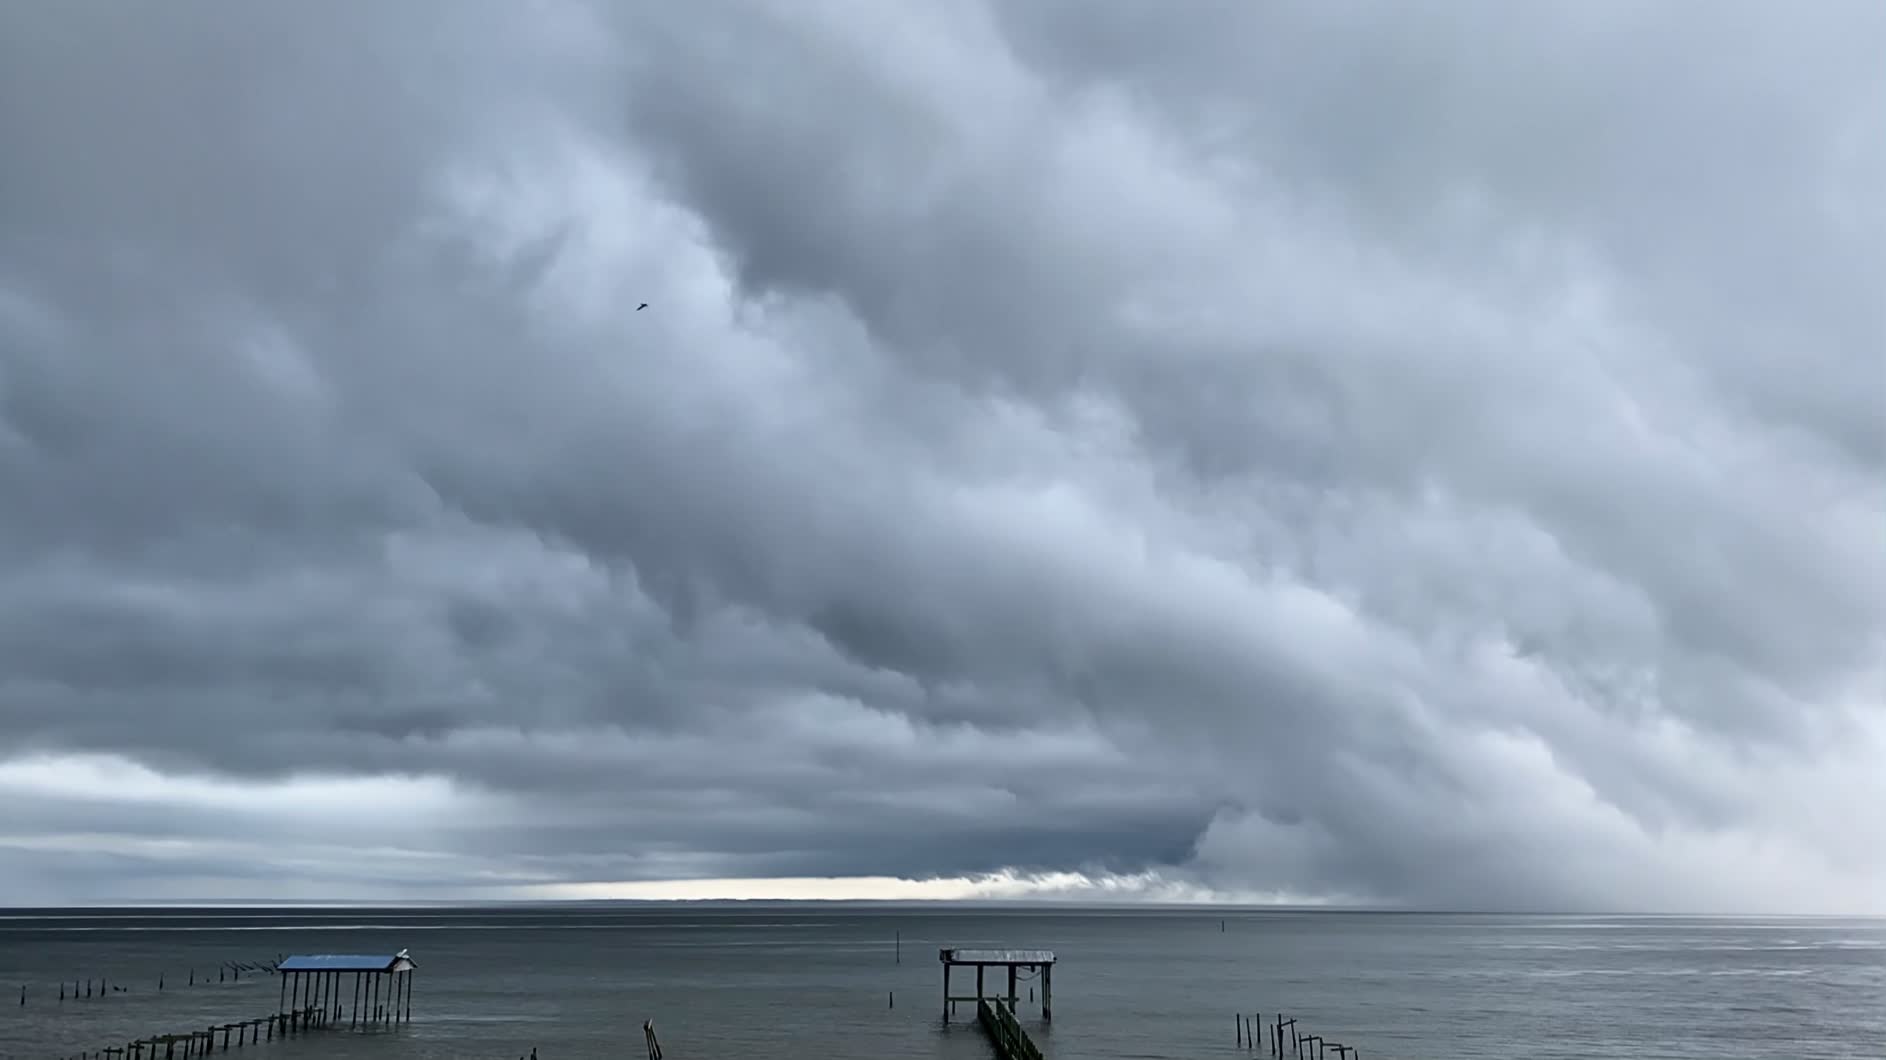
347 962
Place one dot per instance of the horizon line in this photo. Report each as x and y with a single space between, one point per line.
1204 909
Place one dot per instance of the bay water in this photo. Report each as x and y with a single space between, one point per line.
738 981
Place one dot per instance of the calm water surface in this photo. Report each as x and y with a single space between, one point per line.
778 982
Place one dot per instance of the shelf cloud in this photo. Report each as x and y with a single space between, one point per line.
1293 451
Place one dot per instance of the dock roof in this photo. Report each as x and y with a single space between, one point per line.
348 962
954 956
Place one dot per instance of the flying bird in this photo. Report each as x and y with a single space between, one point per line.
641 307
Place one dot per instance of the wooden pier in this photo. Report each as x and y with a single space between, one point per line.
1013 961
315 995
997 1014
177 1046
381 987
1005 1031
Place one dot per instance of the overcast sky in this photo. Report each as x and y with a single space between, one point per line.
1377 452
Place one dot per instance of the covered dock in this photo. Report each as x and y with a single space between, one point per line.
1014 961
381 987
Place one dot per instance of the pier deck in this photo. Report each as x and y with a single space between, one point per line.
1013 961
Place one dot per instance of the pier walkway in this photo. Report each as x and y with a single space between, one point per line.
1005 1031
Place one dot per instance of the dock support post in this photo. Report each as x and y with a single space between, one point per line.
1011 988
946 992
1047 993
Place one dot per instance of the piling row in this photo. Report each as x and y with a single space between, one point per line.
104 986
216 1037
1288 1040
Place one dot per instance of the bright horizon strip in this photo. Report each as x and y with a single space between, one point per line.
1062 886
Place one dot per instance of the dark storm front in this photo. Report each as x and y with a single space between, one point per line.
726 982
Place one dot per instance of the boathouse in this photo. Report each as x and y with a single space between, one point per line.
380 990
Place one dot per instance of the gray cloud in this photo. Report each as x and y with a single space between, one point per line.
1287 449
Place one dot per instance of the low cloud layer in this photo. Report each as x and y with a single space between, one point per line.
1322 450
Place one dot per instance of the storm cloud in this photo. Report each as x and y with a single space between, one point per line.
1326 450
